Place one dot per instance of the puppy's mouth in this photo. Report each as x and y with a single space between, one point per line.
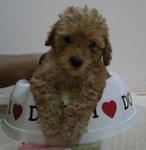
73 65
76 62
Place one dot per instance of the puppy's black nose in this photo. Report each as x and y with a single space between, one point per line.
76 61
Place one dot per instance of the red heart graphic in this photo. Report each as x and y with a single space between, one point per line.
109 108
17 111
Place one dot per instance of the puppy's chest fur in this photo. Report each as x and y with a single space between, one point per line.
70 86
66 85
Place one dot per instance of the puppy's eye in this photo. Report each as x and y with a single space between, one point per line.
68 40
92 44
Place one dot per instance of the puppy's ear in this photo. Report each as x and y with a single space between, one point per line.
107 52
50 39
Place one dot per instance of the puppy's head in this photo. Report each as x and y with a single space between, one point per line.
79 39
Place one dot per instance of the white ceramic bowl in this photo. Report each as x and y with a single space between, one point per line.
113 115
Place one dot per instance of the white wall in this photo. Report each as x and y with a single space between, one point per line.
24 24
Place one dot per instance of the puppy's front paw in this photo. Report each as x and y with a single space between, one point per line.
69 135
50 132
47 129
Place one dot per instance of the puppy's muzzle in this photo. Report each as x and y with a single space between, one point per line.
76 61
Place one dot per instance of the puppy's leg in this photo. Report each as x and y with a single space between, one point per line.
49 107
78 112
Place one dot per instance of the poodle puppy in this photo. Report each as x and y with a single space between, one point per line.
69 83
